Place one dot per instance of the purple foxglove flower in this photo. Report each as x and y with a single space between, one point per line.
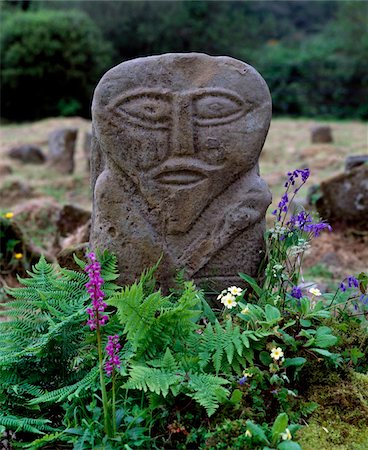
112 349
96 294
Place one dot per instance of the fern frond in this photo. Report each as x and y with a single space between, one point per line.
151 379
26 424
68 391
207 390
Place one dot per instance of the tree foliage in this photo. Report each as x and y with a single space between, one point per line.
51 61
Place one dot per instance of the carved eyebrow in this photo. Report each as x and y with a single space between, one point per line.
213 91
141 92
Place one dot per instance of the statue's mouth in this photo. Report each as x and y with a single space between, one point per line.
180 177
182 173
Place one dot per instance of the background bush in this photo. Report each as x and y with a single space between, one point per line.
51 61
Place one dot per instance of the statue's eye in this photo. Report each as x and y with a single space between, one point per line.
148 110
217 108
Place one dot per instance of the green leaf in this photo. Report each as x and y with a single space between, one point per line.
265 358
296 362
279 426
305 323
324 338
323 352
272 314
252 282
257 432
289 445
236 397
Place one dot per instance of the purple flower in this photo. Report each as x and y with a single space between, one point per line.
243 380
96 294
112 349
316 228
364 299
283 205
296 292
353 282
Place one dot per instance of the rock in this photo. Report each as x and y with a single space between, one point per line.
5 169
70 218
28 154
174 166
62 144
66 257
344 198
321 135
355 161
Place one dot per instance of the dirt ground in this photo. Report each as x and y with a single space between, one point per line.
333 255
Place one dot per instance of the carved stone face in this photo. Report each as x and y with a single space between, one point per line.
182 127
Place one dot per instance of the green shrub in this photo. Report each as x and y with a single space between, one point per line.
51 62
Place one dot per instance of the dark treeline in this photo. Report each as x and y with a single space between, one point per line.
312 53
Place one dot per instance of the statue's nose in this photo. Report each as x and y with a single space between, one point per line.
182 128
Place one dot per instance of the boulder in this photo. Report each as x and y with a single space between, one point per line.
344 198
321 135
355 161
62 143
27 154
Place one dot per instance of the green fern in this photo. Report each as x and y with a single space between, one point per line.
26 424
43 337
226 348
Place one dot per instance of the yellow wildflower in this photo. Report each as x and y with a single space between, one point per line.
18 255
228 300
235 290
9 215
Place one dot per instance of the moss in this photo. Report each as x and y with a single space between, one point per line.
341 422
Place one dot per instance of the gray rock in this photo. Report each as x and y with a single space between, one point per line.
27 154
355 161
62 144
174 167
321 135
344 198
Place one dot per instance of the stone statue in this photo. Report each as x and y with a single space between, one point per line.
175 148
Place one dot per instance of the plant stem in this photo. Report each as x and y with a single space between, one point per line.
102 381
113 412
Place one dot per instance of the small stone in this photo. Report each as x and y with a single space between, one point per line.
28 154
62 143
321 135
355 161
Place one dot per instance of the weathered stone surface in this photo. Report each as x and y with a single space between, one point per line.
27 154
321 135
344 198
62 144
176 142
355 161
